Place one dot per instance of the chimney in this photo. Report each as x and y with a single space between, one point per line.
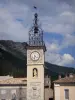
49 81
66 76
71 75
59 77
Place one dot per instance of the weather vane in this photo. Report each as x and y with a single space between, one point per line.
35 7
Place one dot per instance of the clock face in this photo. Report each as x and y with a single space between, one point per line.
35 55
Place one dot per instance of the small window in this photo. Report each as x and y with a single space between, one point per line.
66 94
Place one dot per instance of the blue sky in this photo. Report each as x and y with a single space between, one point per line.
57 18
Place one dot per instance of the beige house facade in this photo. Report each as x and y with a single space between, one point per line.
64 88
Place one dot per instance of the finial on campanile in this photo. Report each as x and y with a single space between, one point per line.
35 22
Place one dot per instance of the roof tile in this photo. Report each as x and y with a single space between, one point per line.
14 81
66 80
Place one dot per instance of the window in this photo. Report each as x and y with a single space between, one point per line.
66 94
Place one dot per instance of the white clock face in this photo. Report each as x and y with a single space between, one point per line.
35 55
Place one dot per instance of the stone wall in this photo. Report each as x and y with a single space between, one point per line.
20 92
11 92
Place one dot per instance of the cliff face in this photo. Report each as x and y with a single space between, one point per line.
15 48
13 58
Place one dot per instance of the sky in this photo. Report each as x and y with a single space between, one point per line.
57 18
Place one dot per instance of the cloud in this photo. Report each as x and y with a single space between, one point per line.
11 28
52 47
63 23
57 17
54 56
66 59
69 40
58 59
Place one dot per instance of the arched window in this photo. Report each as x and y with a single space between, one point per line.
35 72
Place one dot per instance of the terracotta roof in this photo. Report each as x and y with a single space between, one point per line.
14 81
5 77
66 80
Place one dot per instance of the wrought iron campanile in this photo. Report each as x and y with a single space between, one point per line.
36 33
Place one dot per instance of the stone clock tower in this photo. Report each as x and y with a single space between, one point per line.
35 62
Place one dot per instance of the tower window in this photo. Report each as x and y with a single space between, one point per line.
35 72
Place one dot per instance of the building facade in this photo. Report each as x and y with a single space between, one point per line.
16 89
13 89
64 88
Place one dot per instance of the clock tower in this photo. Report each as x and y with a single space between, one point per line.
35 62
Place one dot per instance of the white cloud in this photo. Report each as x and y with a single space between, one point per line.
63 23
62 60
10 28
67 13
66 59
52 47
53 58
57 17
69 40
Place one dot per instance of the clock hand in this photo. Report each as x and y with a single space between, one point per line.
34 57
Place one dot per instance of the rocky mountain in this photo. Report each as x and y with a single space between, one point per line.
13 61
14 48
12 58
